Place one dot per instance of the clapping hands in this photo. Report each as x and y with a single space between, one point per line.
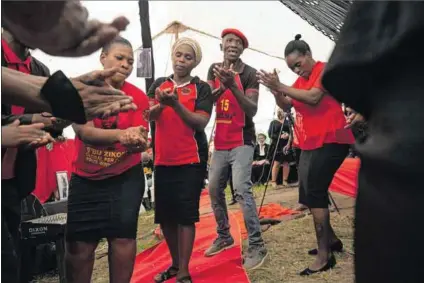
134 139
225 75
270 80
168 97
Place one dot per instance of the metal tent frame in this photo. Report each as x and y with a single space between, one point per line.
326 16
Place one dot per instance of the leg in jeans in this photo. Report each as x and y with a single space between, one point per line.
218 175
241 163
230 180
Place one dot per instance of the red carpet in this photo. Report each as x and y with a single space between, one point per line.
270 210
224 267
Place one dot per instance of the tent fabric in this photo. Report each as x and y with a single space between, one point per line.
325 16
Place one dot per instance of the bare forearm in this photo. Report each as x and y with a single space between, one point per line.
33 15
23 90
249 106
155 112
282 101
36 80
193 120
95 136
311 97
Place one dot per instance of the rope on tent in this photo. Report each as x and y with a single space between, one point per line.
169 29
169 56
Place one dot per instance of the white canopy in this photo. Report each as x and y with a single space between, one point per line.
268 25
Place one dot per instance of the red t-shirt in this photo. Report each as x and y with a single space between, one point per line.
101 162
322 123
176 143
51 159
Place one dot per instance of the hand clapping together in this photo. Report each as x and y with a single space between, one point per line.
15 135
134 139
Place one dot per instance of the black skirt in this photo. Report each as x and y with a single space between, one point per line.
106 208
177 193
316 172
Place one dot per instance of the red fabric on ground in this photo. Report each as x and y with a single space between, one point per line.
345 180
270 210
224 267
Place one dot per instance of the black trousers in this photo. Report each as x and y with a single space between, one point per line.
10 236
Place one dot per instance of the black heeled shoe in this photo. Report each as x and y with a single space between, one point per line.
335 247
329 265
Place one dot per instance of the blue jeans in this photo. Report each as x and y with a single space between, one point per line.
240 159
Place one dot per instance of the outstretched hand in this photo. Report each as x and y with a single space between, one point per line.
99 98
14 135
59 28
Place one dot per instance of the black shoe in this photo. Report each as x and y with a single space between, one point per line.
329 265
232 202
335 247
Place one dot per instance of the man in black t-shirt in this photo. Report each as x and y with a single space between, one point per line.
236 92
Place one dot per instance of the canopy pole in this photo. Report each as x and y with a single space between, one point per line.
146 41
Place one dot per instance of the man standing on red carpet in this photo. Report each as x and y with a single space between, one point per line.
236 91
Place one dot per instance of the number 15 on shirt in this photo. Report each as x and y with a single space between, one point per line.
225 105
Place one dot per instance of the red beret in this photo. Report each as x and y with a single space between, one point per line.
237 33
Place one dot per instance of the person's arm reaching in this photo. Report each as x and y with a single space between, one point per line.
311 97
23 90
86 96
59 28
132 138
96 136
15 135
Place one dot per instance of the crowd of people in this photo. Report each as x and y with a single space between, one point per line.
111 118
